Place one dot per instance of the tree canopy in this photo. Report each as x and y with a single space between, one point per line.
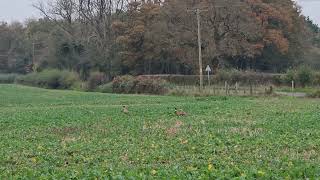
159 37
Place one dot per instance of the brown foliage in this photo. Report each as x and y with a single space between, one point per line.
164 34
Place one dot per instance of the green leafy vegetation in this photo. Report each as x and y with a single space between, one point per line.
140 85
96 79
53 79
221 76
75 135
302 76
105 88
315 94
7 78
307 90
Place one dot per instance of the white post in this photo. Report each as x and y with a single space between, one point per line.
292 86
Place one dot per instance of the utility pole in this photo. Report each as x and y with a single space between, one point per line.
198 13
200 50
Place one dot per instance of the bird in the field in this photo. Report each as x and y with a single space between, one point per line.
125 109
179 112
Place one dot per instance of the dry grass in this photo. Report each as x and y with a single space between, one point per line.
220 90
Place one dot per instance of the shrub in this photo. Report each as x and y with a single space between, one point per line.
79 86
52 79
48 79
231 76
316 78
150 85
68 80
123 84
29 79
315 94
105 88
96 79
304 76
278 80
223 75
7 78
140 85
290 76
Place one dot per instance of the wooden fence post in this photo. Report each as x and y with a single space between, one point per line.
237 87
292 87
226 87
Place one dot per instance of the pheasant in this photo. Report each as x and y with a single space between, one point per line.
125 109
180 112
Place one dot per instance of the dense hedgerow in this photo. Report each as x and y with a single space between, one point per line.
157 84
52 79
140 85
315 94
302 76
123 84
316 78
96 79
231 76
8 78
105 88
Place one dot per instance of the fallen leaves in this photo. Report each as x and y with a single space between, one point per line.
172 131
153 172
34 160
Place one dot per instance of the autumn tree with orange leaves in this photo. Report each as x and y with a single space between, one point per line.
160 37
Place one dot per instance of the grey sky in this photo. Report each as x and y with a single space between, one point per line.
20 10
17 10
311 8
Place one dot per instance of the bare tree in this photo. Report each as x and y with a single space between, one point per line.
92 20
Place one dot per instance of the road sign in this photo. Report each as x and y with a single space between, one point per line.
208 69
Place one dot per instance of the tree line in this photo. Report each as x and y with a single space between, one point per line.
136 37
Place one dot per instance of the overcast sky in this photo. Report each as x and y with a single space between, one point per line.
20 10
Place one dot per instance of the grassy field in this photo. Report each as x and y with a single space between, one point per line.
67 134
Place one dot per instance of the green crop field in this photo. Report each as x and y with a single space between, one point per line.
53 134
